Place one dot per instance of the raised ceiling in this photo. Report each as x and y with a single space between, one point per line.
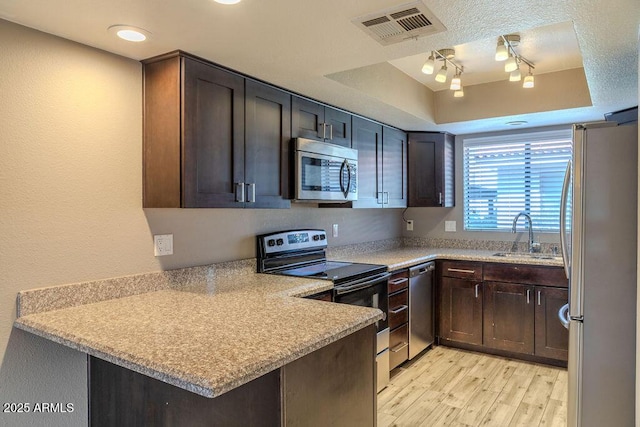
296 44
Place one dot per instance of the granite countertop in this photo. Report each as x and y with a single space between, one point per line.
403 257
213 328
209 337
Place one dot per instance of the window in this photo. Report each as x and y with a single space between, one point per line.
506 175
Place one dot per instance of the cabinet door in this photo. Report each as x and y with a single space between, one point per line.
307 118
338 129
461 310
552 339
431 169
367 137
509 317
268 136
394 168
213 139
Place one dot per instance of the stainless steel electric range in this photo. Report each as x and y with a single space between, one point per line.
302 253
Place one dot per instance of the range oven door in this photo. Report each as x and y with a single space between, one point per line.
368 292
372 292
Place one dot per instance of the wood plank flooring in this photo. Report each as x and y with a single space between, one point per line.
451 387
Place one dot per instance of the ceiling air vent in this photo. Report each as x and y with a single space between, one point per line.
400 23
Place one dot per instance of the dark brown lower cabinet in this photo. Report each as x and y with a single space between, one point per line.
334 385
509 317
461 310
552 339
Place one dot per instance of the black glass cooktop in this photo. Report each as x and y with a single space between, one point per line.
335 270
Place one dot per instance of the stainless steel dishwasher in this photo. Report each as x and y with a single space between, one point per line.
421 307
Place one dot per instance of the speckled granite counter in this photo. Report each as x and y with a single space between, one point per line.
207 336
213 328
403 257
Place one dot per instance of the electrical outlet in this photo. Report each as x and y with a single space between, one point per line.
335 230
163 244
409 225
449 226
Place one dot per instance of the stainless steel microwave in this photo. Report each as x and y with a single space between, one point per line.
325 172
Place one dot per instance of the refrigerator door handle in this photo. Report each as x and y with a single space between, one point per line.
563 220
563 315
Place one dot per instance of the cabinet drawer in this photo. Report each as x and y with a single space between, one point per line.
526 274
462 270
398 309
398 280
398 346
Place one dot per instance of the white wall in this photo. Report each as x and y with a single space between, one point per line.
70 204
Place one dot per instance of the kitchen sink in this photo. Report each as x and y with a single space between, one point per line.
526 255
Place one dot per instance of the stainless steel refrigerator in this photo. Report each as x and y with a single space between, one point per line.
599 240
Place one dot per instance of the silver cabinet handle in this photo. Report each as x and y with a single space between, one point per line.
440 199
330 132
400 309
460 270
398 281
399 347
563 315
528 296
240 192
324 130
251 189
539 298
477 287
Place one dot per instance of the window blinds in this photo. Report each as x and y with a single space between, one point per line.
506 175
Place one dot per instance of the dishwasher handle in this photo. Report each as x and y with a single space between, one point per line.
422 269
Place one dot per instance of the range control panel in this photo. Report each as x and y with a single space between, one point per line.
293 240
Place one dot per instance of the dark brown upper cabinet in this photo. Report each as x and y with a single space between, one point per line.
431 169
313 120
382 165
196 154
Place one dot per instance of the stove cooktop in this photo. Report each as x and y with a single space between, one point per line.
337 271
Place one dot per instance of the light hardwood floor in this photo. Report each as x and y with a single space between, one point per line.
450 387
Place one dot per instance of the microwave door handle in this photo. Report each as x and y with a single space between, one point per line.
345 190
349 181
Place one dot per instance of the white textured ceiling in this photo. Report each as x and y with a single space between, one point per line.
296 43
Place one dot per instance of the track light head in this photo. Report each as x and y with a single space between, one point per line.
441 77
502 52
429 65
529 81
515 75
511 64
456 82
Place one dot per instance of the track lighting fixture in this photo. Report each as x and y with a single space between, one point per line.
446 56
505 52
458 93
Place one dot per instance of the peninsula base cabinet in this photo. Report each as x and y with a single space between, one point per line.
334 385
504 309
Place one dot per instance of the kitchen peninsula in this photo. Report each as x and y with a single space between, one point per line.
224 332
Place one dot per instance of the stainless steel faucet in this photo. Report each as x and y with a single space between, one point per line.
533 247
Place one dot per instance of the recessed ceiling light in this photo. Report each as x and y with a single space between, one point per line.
517 122
227 1
129 33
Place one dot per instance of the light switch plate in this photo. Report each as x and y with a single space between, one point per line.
449 226
163 244
335 230
409 225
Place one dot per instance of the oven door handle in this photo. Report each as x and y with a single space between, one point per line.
361 284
